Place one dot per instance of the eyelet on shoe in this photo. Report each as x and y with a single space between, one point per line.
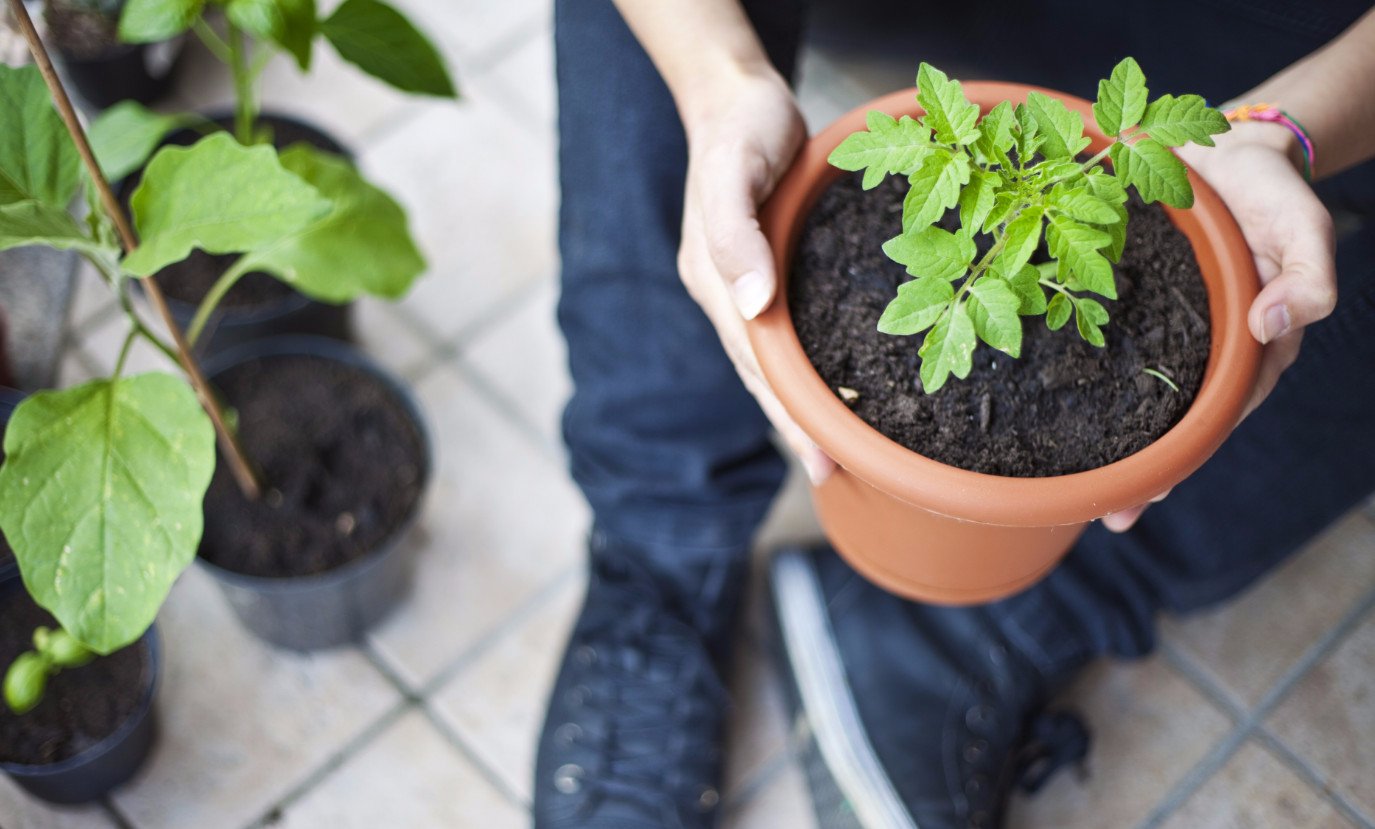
578 695
586 655
979 716
568 779
975 785
568 733
974 750
708 800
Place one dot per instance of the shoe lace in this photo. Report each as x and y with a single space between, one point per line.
1055 739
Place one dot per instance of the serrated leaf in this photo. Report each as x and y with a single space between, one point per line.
1106 187
1086 320
124 135
890 145
1061 129
977 197
994 310
932 251
1176 121
1121 98
917 306
1028 138
37 158
1079 203
1058 312
219 196
1004 204
995 132
288 23
935 188
149 21
1093 310
380 40
1023 234
948 111
1154 171
360 247
1077 247
948 349
100 497
1026 284
31 222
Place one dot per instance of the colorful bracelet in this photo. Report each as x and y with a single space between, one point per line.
1273 114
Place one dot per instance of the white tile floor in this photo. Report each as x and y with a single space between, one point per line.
1256 715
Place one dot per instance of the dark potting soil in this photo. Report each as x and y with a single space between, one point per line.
189 280
341 459
82 706
1062 407
82 33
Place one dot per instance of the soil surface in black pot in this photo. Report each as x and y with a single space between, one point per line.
82 706
82 33
1062 407
189 280
341 458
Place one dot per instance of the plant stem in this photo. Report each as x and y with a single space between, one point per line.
243 87
229 443
124 352
212 41
213 298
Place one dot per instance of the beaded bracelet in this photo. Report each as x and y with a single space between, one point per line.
1273 114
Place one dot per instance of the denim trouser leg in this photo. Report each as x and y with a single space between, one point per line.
671 451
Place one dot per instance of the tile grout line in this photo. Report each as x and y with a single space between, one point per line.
1304 770
1204 769
513 413
112 811
474 758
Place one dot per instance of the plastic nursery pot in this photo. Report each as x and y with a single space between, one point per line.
929 531
142 72
294 313
336 607
96 770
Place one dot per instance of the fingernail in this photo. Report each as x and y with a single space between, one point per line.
1276 322
751 294
817 466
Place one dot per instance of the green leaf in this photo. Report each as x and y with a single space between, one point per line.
977 198
26 680
124 135
948 349
1004 204
149 21
379 40
933 252
1109 189
1026 284
1058 312
948 112
935 188
31 222
1077 246
994 311
1079 203
360 247
1061 128
219 196
100 497
1176 121
288 23
890 145
1154 171
995 132
1088 315
37 158
1106 187
1028 138
919 303
1121 98
1023 234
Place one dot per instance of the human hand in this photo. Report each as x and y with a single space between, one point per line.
741 141
1255 169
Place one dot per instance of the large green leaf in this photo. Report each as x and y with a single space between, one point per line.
890 145
995 132
124 135
932 251
360 247
100 497
919 303
290 24
1154 171
935 188
1121 98
34 223
948 349
1061 128
977 198
1022 235
1176 121
948 111
1081 204
148 21
1077 248
219 196
37 158
382 42
993 308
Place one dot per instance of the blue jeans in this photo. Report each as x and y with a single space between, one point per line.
675 457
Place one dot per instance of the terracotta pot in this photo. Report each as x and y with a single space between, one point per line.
929 531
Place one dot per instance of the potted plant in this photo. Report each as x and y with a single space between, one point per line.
968 489
368 33
102 68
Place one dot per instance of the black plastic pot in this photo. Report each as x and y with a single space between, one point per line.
329 609
140 72
95 771
296 314
9 398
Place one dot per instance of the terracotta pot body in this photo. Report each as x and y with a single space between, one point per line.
937 533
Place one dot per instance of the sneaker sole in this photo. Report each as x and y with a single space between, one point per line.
850 789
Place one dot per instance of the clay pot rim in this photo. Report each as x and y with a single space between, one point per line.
1233 361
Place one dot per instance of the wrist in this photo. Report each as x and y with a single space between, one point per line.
702 97
1263 134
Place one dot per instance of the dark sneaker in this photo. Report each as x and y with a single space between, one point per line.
916 717
633 735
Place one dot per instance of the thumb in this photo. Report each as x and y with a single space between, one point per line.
738 249
1305 289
